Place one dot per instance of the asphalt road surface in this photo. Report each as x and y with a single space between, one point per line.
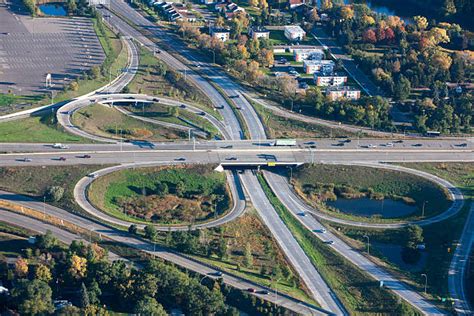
293 251
166 254
379 274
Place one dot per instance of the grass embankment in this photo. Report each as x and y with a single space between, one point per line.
44 128
269 266
167 195
162 112
440 238
33 181
357 291
107 122
319 182
155 78
281 127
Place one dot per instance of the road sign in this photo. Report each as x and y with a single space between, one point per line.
271 164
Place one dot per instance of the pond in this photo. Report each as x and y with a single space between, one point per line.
368 207
53 9
393 253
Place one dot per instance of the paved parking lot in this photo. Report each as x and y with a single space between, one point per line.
31 48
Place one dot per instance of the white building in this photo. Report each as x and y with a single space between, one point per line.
312 66
322 79
221 34
259 32
337 93
301 54
294 32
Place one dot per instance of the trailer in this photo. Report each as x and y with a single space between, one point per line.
285 142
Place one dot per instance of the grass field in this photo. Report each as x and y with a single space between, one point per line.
318 182
280 127
11 246
107 122
168 195
438 237
33 181
152 80
359 293
161 112
37 129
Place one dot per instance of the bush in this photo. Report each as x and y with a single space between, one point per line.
54 193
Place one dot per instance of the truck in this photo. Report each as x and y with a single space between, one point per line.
285 142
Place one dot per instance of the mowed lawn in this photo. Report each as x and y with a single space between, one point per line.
35 129
107 122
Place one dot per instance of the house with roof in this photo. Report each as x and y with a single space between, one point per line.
301 54
325 79
294 32
228 8
221 34
344 92
257 32
312 66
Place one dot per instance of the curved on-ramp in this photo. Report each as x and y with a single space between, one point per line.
81 188
455 194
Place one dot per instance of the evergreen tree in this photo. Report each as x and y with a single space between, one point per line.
83 296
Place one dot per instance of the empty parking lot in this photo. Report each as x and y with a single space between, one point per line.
30 48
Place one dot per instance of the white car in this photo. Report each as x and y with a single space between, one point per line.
389 145
372 146
60 146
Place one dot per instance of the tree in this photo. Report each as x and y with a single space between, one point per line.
369 36
133 229
148 306
173 111
83 296
33 297
346 12
21 267
441 60
313 15
449 8
180 189
150 232
421 22
402 88
54 193
253 3
248 257
94 292
71 7
457 69
326 5
43 273
414 235
77 267
47 241
389 35
95 72
221 250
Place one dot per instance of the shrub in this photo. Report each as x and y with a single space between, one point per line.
54 193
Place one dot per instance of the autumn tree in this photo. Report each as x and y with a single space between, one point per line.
421 22
346 12
369 36
21 267
77 267
43 273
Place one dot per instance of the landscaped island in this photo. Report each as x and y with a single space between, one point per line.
167 195
348 191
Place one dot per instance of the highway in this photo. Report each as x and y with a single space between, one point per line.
80 196
287 242
284 188
140 244
355 257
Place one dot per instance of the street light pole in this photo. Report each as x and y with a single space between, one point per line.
44 207
423 209
426 280
368 244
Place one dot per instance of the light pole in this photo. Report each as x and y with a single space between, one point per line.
213 56
426 280
423 209
44 207
368 244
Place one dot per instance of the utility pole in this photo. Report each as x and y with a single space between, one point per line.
423 209
368 244
44 207
426 280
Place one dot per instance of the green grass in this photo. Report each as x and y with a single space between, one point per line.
129 184
281 127
12 246
438 237
358 292
312 181
33 181
37 129
107 122
277 37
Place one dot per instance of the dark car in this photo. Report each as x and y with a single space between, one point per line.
156 100
62 159
265 292
251 290
202 113
180 159
182 106
231 158
227 146
86 156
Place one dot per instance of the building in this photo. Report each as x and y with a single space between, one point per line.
220 33
294 33
228 8
345 92
175 11
312 66
257 32
295 3
301 54
325 79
